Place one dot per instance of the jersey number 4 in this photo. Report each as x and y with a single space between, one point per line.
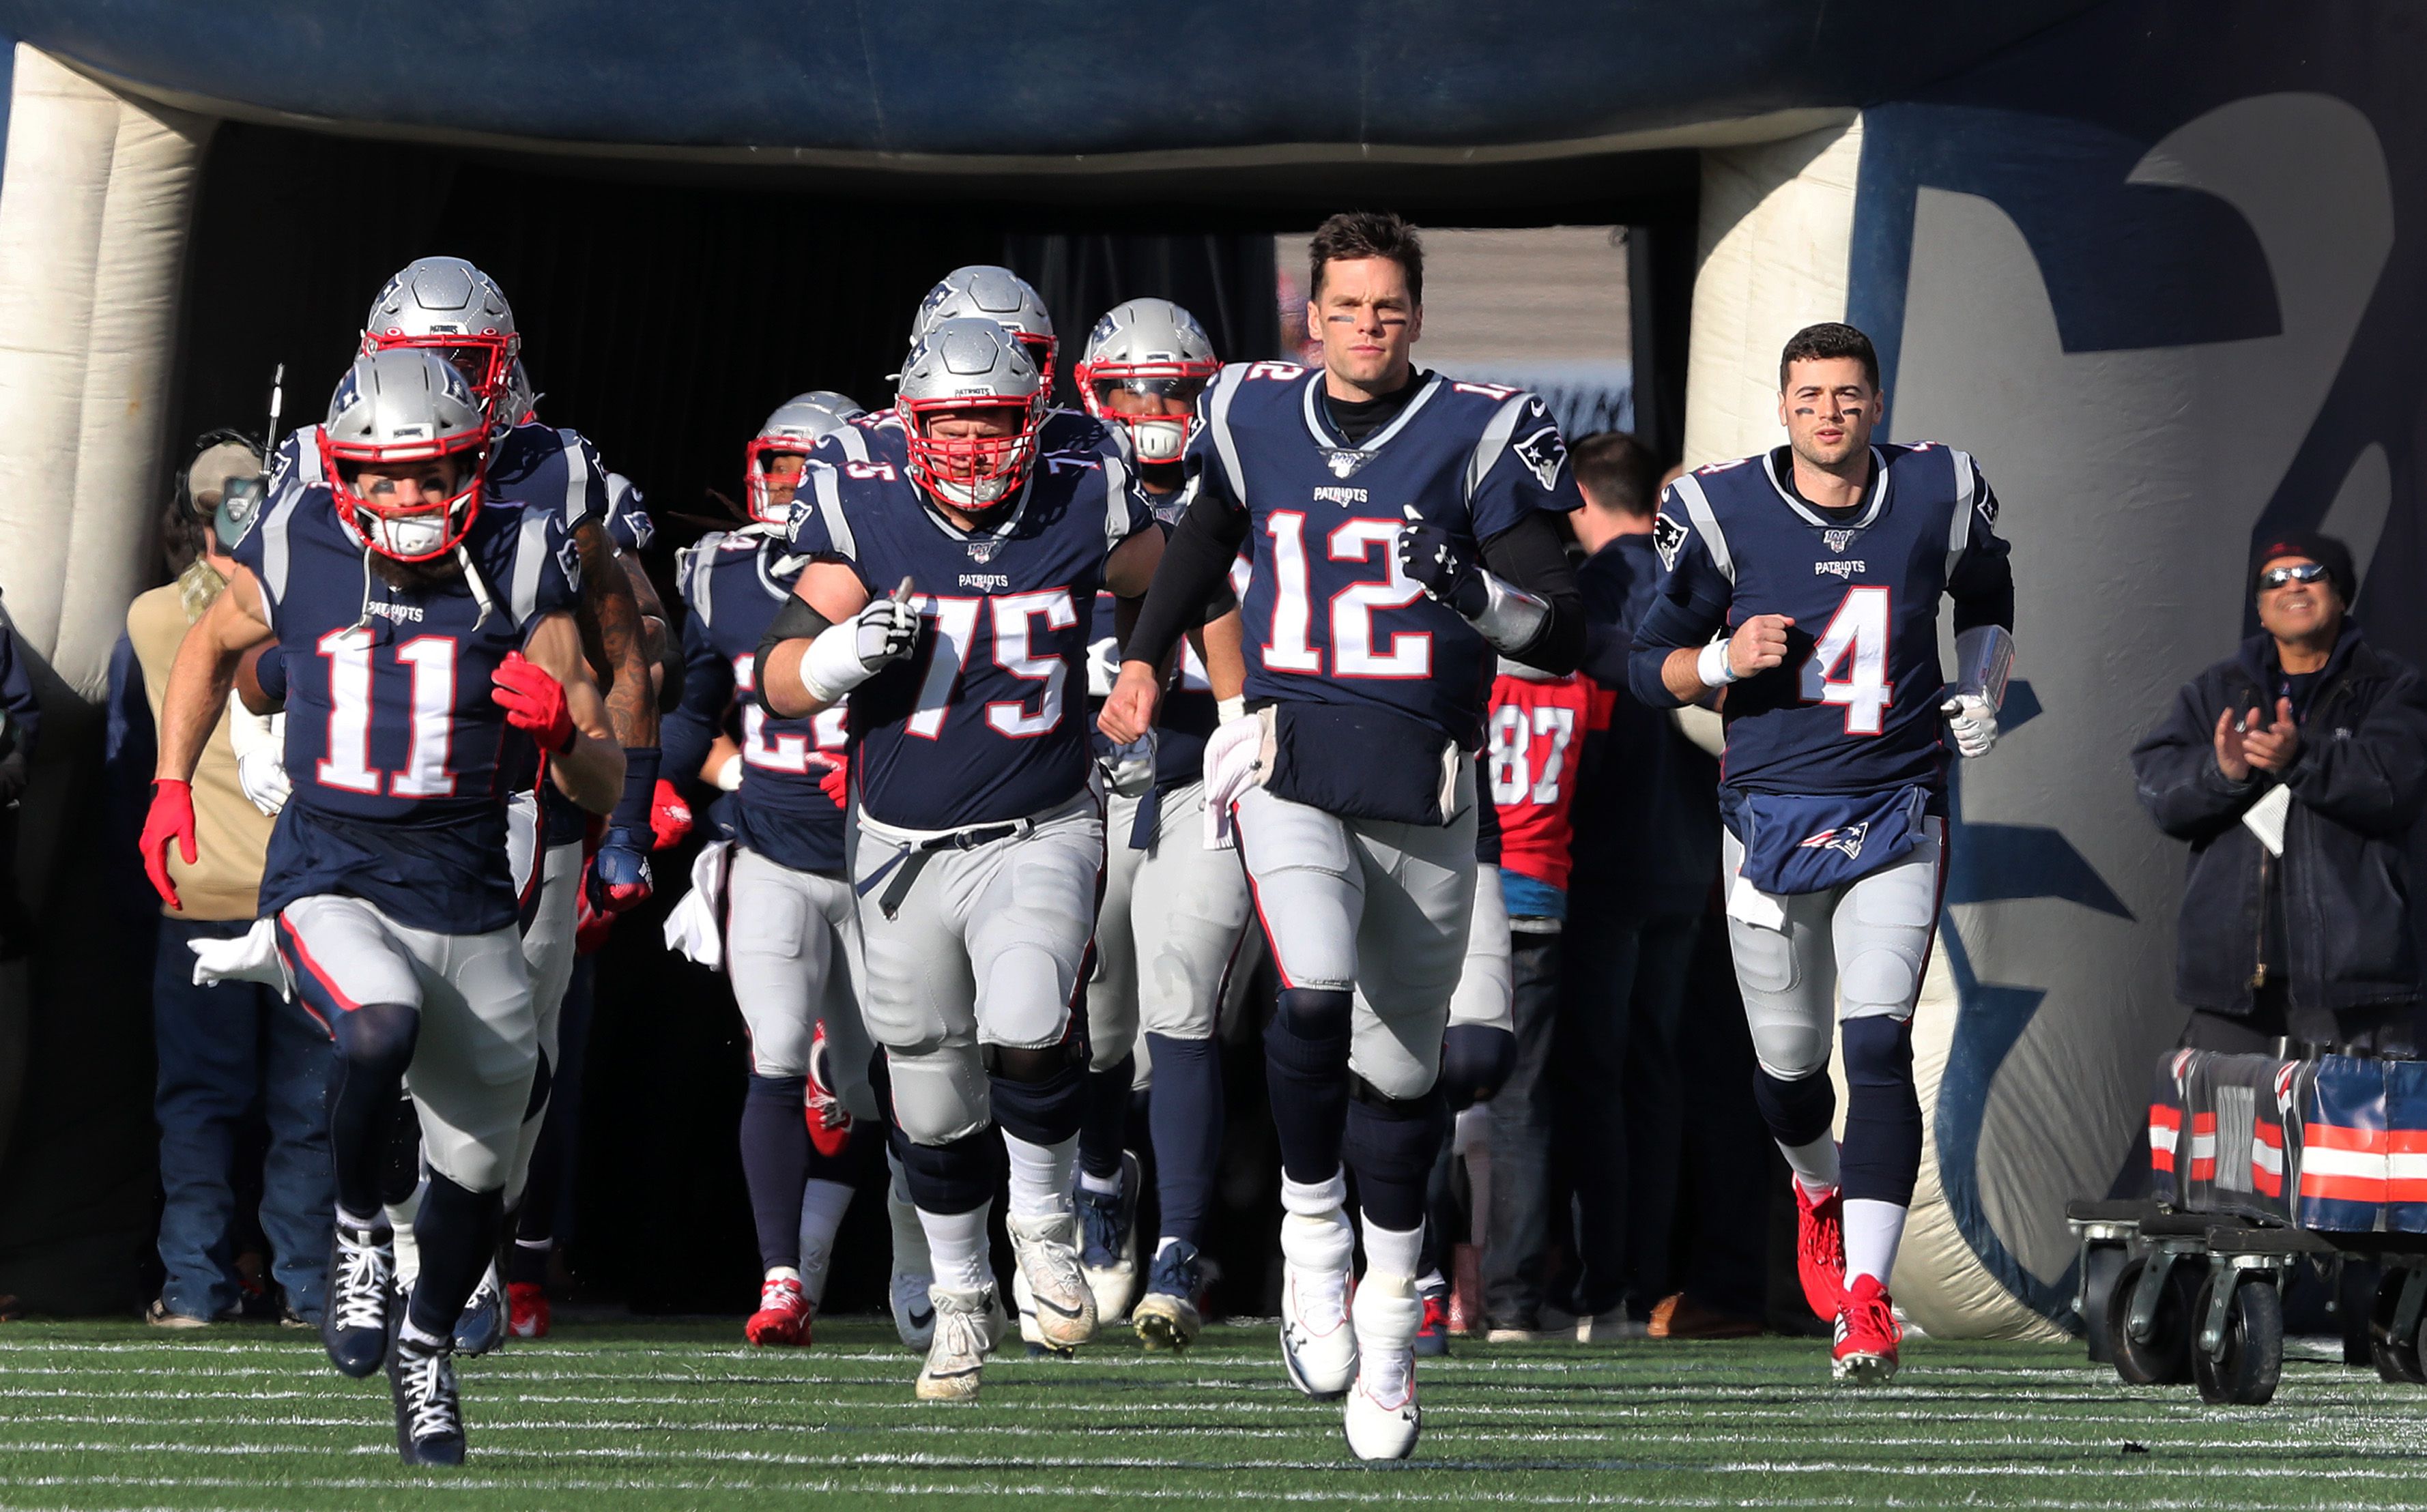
431 727
1848 665
1408 654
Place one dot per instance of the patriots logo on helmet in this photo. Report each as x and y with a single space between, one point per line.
1103 332
1846 837
1668 538
1838 539
1343 463
1544 453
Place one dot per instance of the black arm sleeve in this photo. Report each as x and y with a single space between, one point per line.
794 621
1529 556
1982 586
1193 572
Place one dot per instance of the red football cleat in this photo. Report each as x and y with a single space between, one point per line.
829 1118
526 1309
1821 1249
1868 1332
783 1316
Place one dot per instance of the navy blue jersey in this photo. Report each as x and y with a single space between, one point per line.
733 583
1329 618
396 751
1854 709
987 719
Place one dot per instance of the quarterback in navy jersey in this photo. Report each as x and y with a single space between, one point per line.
1806 583
1404 534
415 631
789 935
951 599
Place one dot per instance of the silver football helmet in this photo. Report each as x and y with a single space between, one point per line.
798 424
394 411
965 367
996 293
1150 348
520 403
448 305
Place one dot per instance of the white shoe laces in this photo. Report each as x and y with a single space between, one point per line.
364 1275
960 1336
1051 1269
430 1395
1388 1374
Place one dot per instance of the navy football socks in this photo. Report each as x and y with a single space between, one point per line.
1880 1155
1306 1066
1184 1117
776 1163
457 1232
1391 1146
1104 1123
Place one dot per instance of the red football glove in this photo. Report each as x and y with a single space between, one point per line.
533 700
591 923
835 782
171 817
669 816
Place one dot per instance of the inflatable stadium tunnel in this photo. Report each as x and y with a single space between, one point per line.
2156 262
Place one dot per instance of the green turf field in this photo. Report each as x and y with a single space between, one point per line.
679 1415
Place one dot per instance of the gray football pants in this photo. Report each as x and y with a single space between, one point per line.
1173 917
985 948
792 948
477 1044
1371 906
1853 951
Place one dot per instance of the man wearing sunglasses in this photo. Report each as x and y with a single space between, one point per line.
2295 769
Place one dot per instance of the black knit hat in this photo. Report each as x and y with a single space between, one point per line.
2324 550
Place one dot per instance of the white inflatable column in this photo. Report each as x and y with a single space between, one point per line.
1776 255
94 207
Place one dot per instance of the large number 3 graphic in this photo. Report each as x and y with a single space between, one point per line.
431 661
1855 643
1410 652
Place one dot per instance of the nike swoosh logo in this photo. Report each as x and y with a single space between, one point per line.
921 1320
1063 1311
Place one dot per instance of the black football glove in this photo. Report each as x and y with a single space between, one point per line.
1430 556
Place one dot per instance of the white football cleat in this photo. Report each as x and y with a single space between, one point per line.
967 1325
1318 1348
1381 1419
914 1315
1056 1288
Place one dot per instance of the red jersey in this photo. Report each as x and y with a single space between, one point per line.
1537 729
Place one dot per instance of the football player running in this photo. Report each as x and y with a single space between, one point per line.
1805 583
1175 910
415 628
950 597
790 939
448 306
1404 526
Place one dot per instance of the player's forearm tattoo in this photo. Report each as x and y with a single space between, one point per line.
611 639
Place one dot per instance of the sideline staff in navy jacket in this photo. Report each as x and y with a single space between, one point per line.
2315 735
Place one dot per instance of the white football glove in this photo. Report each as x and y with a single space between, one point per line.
885 629
263 777
1973 721
846 654
1131 769
1233 756
1103 668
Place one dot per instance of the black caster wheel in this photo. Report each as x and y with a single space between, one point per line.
2164 1358
2250 1362
2396 1359
2100 1267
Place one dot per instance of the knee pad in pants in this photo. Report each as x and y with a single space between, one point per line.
1038 1097
1476 1058
940 1095
1310 1031
378 1037
958 1176
1880 1158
